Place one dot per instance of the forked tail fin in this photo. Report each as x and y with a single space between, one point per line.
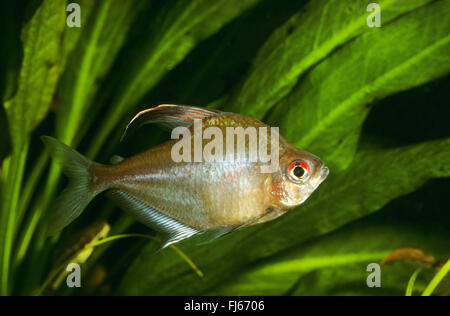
77 195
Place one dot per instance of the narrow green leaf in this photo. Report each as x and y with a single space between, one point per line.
88 54
344 197
412 282
325 113
72 34
103 35
437 279
307 38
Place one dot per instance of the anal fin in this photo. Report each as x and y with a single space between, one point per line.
173 230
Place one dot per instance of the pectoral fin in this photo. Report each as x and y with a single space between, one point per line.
221 232
169 116
173 230
215 234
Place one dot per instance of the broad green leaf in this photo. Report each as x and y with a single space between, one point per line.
41 67
344 197
88 54
325 113
40 70
104 31
69 42
342 257
175 30
216 64
307 38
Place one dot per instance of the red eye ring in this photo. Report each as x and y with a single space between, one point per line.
303 165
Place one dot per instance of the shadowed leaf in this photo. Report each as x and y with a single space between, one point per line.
40 70
176 29
41 67
325 113
308 37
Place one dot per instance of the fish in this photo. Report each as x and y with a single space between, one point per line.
178 190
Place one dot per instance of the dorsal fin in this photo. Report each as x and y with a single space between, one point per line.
173 230
169 116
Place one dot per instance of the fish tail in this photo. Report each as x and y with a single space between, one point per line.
77 195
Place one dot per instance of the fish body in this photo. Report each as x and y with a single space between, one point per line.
184 198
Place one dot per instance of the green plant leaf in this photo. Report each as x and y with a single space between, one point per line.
88 54
217 63
344 197
442 273
72 34
41 67
329 107
343 257
307 38
103 35
176 29
133 54
5 138
412 282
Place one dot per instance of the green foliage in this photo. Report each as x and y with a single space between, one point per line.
313 68
41 67
341 87
307 38
342 257
177 28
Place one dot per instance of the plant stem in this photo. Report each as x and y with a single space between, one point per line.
10 210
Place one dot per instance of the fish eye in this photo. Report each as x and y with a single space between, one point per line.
298 170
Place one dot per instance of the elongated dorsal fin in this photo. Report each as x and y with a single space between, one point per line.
169 116
173 230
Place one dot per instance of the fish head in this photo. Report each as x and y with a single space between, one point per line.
300 174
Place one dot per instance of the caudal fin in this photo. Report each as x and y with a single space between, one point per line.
76 196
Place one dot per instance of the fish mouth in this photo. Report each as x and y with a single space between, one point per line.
323 174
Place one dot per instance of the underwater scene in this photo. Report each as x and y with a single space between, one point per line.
217 148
